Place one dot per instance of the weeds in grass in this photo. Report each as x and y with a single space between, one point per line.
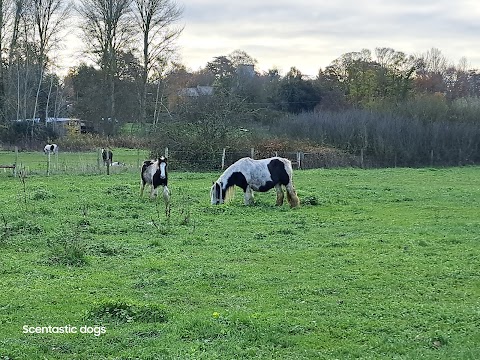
185 214
107 250
5 230
69 247
119 190
68 250
25 227
22 176
310 200
167 209
42 194
124 312
163 229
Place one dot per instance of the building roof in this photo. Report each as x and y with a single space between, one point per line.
197 91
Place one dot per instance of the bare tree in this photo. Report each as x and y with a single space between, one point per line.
240 57
50 17
157 21
107 30
435 61
7 10
432 72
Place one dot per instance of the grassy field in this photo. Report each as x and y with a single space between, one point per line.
375 264
72 162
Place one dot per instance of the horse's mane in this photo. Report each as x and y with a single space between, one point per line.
229 193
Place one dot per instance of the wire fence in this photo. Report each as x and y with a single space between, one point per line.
88 162
130 160
186 159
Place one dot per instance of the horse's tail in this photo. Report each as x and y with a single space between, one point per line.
292 197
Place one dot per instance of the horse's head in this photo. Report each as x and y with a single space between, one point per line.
162 165
217 193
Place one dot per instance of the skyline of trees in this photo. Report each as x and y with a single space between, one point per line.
135 76
115 34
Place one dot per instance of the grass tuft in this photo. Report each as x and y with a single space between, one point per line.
124 312
68 249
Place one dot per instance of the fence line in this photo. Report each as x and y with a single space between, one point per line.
329 158
187 159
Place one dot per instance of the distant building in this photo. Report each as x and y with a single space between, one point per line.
62 126
196 91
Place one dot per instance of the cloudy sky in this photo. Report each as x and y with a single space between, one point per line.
310 34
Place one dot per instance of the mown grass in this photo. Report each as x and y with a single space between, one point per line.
376 264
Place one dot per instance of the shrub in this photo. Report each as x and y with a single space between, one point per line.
22 133
86 142
388 139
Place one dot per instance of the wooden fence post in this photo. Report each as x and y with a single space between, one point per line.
299 160
48 163
99 157
223 158
431 157
252 153
16 162
362 164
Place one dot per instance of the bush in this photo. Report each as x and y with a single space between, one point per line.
201 129
22 133
86 142
388 139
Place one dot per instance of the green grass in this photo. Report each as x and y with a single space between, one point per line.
378 264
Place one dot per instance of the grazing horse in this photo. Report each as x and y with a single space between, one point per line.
154 173
50 149
256 175
107 156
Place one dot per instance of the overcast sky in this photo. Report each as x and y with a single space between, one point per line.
310 34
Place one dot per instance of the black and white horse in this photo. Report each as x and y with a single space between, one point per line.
107 156
50 149
256 175
154 173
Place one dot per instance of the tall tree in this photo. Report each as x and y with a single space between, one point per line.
107 30
157 21
240 57
297 94
50 17
431 75
5 9
223 70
